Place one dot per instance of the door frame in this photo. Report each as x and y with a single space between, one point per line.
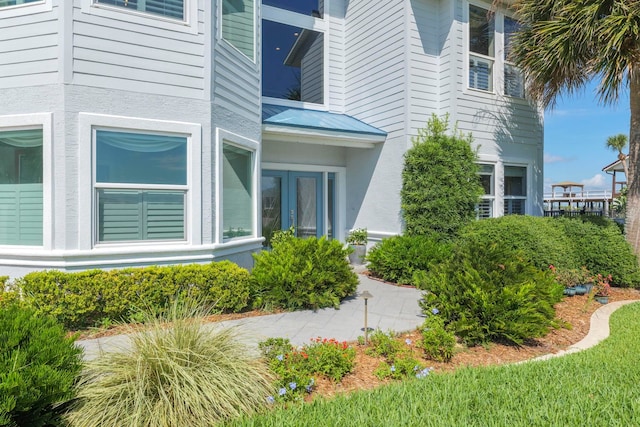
340 196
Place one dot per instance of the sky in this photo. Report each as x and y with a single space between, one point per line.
575 134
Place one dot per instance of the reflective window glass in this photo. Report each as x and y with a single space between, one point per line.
306 7
481 31
168 8
238 25
237 192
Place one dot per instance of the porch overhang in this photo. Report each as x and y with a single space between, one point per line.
287 124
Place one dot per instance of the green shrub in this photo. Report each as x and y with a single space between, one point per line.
383 344
440 181
95 297
403 366
490 293
302 273
540 240
330 358
438 343
38 368
603 249
396 259
186 375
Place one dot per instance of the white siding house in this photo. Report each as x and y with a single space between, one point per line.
176 131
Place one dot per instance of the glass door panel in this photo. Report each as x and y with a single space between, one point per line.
307 205
271 206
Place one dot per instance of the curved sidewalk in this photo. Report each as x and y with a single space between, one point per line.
393 308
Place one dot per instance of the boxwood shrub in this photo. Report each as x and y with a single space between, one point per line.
491 293
396 259
87 298
602 248
541 240
38 368
302 273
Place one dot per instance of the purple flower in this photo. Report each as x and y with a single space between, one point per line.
280 357
393 368
282 391
293 385
408 341
309 388
270 400
435 310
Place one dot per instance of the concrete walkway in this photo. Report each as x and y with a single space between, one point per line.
391 308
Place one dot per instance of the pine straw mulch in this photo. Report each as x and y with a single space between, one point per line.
575 312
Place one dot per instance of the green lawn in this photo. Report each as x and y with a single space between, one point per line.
597 387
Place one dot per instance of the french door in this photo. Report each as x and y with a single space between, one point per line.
296 199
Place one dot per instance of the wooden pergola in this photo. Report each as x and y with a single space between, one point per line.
569 189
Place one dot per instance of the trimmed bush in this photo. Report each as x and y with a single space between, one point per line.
603 249
440 180
396 259
302 273
491 293
540 240
38 368
186 375
93 297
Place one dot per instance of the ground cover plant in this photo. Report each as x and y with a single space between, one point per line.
396 258
296 369
185 374
302 273
490 293
38 368
594 387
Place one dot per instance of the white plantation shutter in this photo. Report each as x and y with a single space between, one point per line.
168 8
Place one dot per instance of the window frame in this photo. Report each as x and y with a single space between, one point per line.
287 17
510 65
492 60
229 138
491 197
26 8
88 188
187 25
42 121
220 37
507 198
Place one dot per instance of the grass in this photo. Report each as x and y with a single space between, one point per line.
596 387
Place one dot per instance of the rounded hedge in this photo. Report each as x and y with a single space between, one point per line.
38 368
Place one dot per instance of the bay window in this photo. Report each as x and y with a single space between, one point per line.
237 192
140 186
21 187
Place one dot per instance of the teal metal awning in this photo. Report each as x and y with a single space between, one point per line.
320 127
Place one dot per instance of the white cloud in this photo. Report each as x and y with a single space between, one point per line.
597 182
550 158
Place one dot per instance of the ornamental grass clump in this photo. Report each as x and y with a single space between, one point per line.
178 373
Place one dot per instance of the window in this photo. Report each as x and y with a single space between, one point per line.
141 185
237 192
8 3
238 17
167 8
306 7
481 48
513 79
485 207
292 63
515 190
21 187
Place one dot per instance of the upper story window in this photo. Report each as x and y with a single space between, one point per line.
481 48
513 79
306 7
7 3
167 8
292 62
238 25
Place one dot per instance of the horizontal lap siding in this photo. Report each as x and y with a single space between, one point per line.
375 79
236 83
336 46
424 71
118 53
29 49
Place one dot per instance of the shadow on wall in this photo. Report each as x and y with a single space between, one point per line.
361 164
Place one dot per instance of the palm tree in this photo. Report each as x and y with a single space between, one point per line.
563 44
617 143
